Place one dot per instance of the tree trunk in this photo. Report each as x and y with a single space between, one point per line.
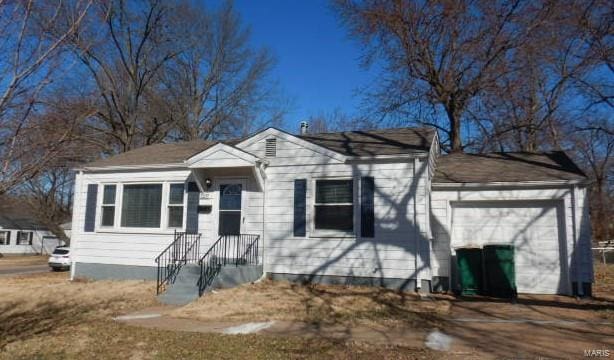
456 143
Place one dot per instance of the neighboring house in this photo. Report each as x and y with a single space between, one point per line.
378 207
21 234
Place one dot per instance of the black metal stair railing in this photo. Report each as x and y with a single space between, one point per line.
227 250
184 249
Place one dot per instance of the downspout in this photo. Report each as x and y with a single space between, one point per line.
74 228
574 259
416 233
264 194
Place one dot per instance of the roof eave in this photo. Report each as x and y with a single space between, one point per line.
409 155
132 167
519 184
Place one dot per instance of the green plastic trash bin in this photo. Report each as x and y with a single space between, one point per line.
499 271
469 262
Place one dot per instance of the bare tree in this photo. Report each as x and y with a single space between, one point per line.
442 55
49 196
218 85
123 45
29 63
593 146
529 106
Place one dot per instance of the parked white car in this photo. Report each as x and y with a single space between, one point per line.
60 258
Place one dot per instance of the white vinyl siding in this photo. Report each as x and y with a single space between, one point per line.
391 253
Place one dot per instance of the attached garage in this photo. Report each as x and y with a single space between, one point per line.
535 202
532 227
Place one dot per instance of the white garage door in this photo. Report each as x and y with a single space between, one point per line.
532 228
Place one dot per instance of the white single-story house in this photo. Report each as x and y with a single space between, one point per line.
381 207
24 235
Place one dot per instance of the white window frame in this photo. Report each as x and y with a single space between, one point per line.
311 194
30 237
182 205
102 205
7 237
119 197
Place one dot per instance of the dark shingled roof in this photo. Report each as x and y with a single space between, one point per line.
506 167
375 142
351 143
9 221
174 153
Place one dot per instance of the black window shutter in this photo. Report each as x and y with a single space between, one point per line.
191 222
367 208
300 206
90 208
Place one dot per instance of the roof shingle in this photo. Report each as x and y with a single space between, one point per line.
375 142
173 153
350 143
506 167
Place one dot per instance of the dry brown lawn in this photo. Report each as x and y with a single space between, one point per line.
22 260
34 304
48 317
604 281
45 316
280 300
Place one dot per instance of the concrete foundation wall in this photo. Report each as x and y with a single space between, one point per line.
114 272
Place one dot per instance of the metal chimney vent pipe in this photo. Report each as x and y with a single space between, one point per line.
304 127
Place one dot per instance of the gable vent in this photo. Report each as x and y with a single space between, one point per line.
271 147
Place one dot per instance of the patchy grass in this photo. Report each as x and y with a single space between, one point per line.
34 304
22 260
604 281
321 304
47 316
603 288
109 340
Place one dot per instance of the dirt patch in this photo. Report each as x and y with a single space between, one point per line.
22 260
280 300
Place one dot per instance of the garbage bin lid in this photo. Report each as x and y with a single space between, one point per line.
467 247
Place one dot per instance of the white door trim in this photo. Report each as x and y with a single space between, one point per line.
219 180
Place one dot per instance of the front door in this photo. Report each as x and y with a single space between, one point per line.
230 207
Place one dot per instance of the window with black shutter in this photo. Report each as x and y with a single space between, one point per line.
334 205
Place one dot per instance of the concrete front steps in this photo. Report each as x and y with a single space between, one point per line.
185 288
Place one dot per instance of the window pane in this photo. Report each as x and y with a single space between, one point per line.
176 194
108 216
23 238
141 205
335 217
230 197
334 191
109 194
175 216
4 238
230 222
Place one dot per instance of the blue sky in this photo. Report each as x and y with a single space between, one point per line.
318 66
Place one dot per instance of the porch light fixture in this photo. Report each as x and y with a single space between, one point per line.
208 183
